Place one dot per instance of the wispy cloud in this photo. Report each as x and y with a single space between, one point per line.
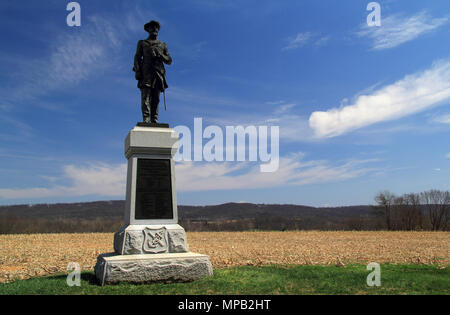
17 131
275 102
284 108
293 127
298 41
322 40
186 95
101 179
189 51
302 39
412 94
396 30
77 56
293 171
73 57
448 155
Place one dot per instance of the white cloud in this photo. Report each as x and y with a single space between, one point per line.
412 94
448 155
100 179
396 30
95 179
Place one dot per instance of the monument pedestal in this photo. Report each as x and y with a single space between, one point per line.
151 246
180 267
129 240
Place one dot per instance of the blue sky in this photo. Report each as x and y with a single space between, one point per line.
360 109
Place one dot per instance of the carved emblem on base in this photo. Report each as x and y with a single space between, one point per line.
155 240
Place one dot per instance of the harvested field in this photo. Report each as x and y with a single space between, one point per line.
24 256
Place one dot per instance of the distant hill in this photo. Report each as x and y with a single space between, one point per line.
79 210
107 216
228 211
235 211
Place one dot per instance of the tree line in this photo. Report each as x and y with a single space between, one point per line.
428 210
12 224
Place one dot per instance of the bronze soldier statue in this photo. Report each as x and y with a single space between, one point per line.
151 54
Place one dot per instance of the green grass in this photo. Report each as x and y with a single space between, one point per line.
351 279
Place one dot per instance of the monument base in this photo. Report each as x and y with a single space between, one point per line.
151 246
130 239
171 267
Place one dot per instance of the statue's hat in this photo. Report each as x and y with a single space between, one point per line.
149 24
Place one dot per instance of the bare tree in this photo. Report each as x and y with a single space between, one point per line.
437 206
416 212
385 200
408 212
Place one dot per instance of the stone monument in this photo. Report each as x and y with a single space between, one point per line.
151 245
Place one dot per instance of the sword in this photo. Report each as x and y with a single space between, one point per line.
164 92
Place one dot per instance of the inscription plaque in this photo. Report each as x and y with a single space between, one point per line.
153 190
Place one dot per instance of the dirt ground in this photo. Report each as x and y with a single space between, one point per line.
24 256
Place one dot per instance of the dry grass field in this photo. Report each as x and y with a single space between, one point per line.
24 256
